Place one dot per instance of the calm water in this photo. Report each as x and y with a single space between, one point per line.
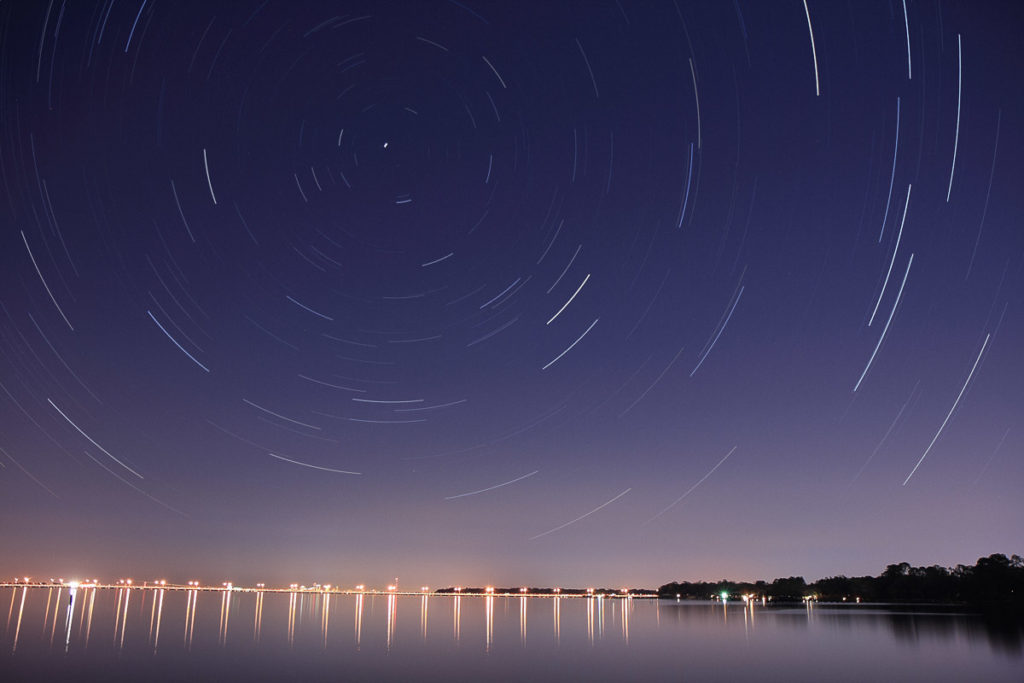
185 635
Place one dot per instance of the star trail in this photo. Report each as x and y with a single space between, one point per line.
363 289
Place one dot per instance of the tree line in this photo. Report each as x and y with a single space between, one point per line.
995 580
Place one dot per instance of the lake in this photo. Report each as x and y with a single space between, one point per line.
146 634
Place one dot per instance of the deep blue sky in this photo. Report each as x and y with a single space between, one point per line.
248 248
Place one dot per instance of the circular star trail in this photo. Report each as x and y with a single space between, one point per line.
531 292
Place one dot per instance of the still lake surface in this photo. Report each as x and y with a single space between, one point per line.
137 634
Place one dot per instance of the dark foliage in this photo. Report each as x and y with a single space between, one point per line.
995 581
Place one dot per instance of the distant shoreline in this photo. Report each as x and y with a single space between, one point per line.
472 592
993 584
937 608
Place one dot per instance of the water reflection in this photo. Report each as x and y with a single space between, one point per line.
190 616
522 621
625 619
423 616
56 611
159 616
258 619
117 613
292 601
121 618
489 608
872 642
68 618
152 618
590 620
557 614
88 621
359 619
748 618
10 610
325 617
21 611
457 616
46 610
225 614
392 617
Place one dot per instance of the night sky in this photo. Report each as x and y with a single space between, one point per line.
544 293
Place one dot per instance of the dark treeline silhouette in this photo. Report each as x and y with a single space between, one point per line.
994 581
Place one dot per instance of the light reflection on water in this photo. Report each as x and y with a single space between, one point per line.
190 617
392 617
456 616
359 620
424 603
489 606
556 613
258 618
492 636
